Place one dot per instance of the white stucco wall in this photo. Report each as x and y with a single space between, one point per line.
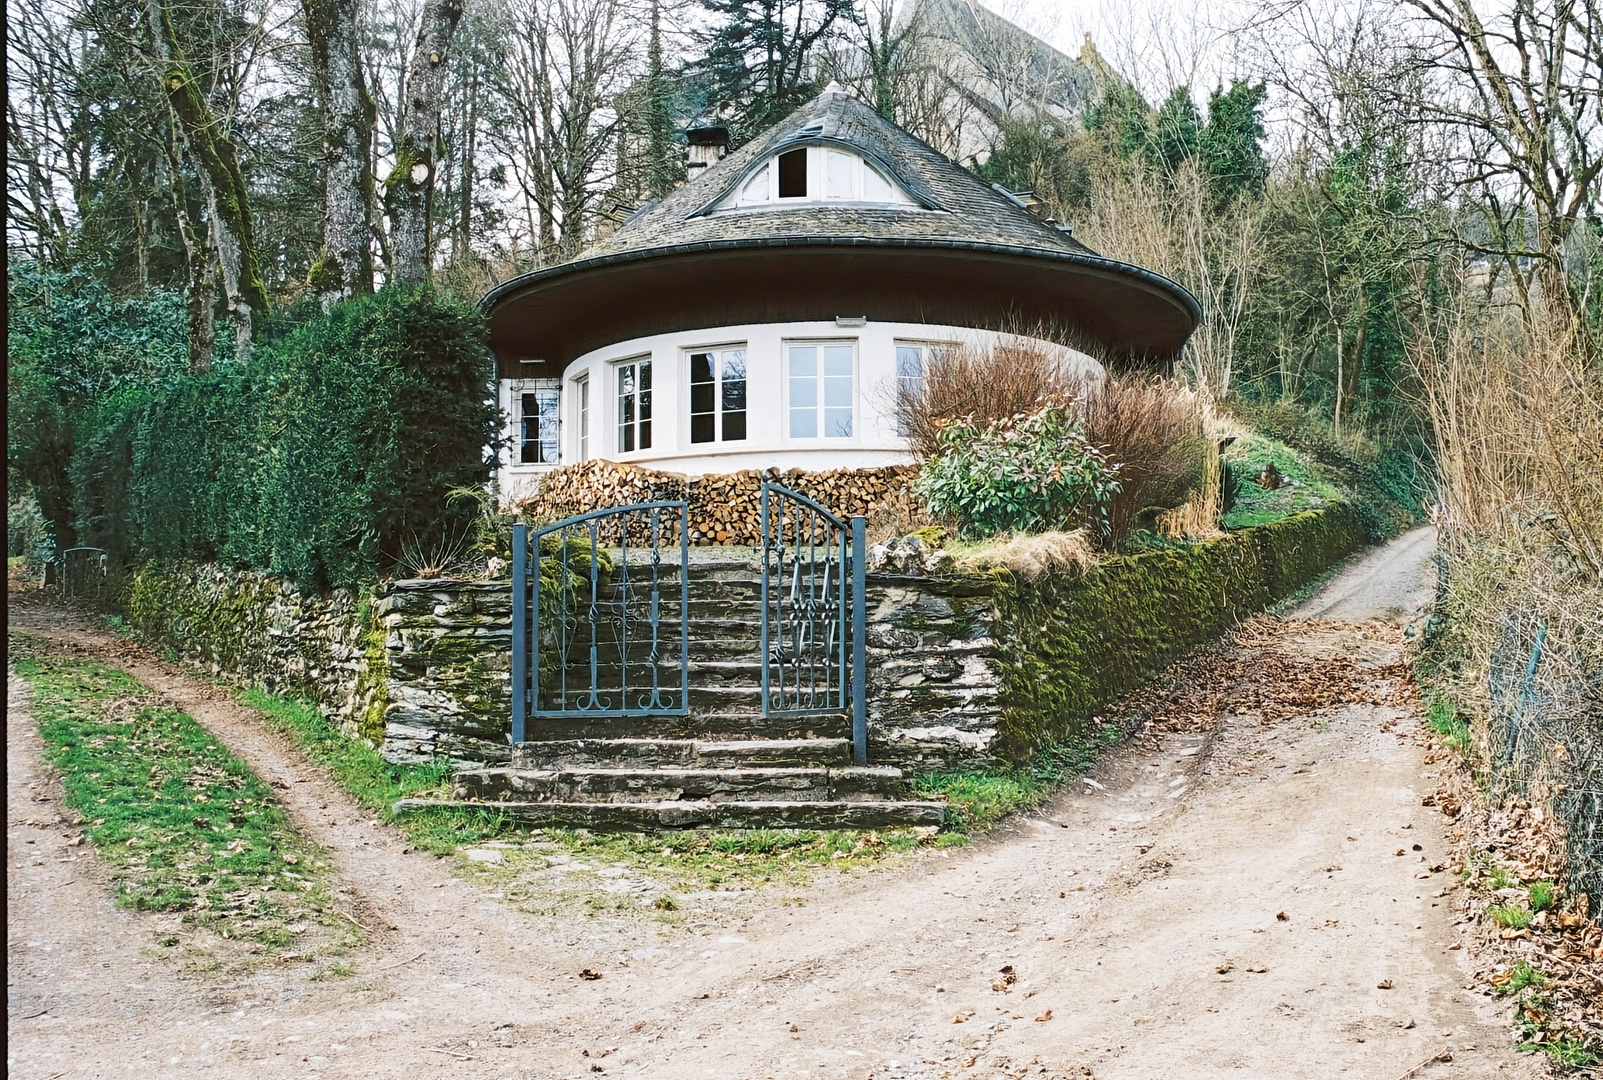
873 441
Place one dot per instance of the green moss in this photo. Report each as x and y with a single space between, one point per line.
373 684
1071 644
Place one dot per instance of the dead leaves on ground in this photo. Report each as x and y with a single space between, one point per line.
1263 670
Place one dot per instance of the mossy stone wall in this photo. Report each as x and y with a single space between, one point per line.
1069 645
967 668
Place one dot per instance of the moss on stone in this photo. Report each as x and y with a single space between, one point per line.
1069 645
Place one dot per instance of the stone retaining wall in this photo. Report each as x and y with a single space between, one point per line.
965 668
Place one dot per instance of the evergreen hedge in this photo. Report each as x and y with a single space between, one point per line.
316 461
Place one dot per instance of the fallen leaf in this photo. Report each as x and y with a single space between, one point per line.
1225 968
959 1018
1384 984
589 975
1044 1017
1282 917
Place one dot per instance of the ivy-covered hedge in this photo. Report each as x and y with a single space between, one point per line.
317 461
1071 644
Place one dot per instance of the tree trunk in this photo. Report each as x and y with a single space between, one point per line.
344 263
409 189
227 202
198 261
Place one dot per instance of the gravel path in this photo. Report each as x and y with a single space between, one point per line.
1220 903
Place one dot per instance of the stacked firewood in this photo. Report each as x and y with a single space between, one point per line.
725 509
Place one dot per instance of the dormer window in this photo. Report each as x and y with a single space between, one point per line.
817 174
793 174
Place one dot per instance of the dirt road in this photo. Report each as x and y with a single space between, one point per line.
1221 902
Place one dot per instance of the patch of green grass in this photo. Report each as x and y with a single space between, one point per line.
375 784
1567 1053
979 798
182 824
1520 978
1305 485
1501 879
1510 916
1563 1050
1541 895
1446 721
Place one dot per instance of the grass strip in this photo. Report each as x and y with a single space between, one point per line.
183 825
979 798
376 784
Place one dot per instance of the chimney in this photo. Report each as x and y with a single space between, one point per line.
707 146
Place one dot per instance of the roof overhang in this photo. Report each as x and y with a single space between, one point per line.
562 312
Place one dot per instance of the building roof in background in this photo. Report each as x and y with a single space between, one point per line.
1006 54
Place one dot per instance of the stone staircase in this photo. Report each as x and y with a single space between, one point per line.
722 766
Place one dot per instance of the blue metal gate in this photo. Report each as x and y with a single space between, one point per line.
810 619
601 615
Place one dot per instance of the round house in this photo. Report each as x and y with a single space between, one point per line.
767 313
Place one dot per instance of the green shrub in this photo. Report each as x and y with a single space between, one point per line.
335 447
72 347
1034 471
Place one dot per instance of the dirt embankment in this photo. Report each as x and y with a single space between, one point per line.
1223 897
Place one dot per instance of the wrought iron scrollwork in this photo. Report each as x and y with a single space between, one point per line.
809 617
600 618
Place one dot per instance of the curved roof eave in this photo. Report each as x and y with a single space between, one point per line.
506 289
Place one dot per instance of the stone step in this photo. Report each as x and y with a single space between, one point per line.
680 753
744 783
712 726
707 814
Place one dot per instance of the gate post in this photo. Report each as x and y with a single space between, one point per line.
859 640
520 630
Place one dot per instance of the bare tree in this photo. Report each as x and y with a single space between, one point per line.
409 189
344 264
570 61
205 138
1526 89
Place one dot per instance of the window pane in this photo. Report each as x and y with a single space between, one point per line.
735 364
645 433
793 174
838 360
734 426
837 423
803 360
700 368
702 399
838 392
804 423
734 396
803 392
549 399
875 187
645 376
756 189
701 428
909 361
838 174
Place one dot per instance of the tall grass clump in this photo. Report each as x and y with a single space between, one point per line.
1518 417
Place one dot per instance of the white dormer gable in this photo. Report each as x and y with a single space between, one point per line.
815 174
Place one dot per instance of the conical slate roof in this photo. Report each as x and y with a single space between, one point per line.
960 254
956 205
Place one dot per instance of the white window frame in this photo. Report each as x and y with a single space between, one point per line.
817 181
581 409
927 349
536 387
819 406
636 362
718 352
